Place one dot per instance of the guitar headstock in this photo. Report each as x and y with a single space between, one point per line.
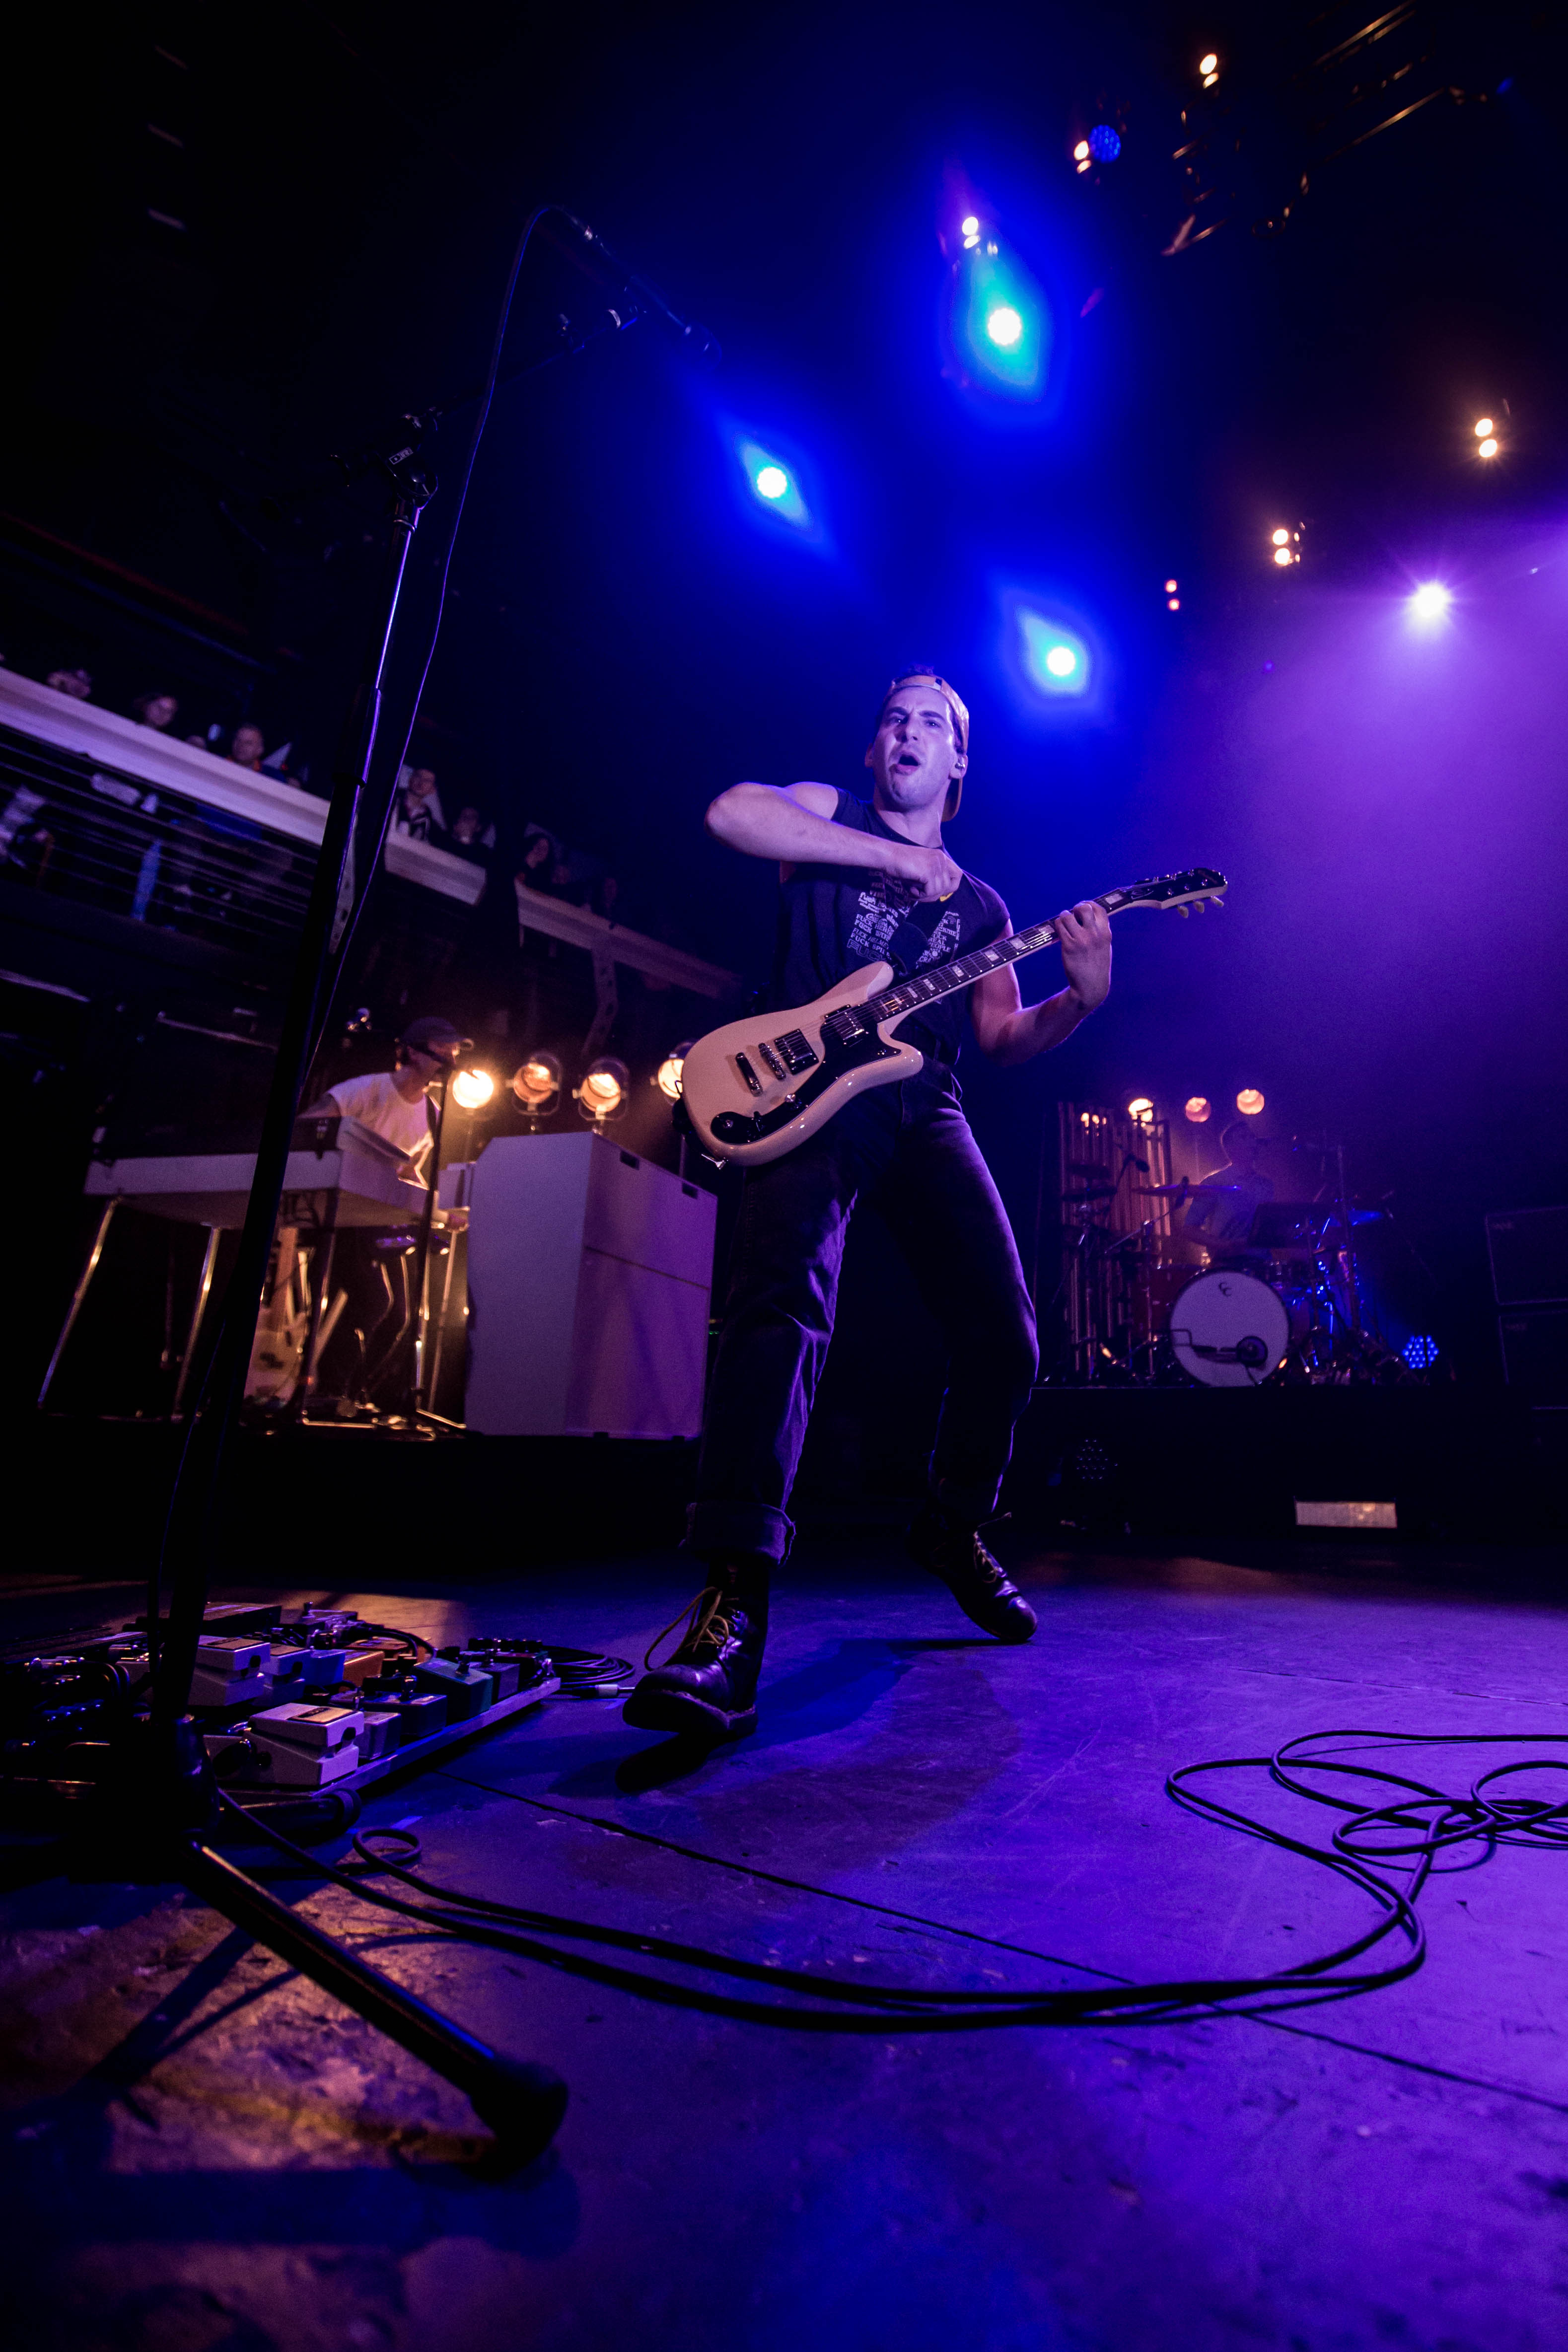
1197 886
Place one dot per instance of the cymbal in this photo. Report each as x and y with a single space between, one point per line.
1321 1212
1189 1188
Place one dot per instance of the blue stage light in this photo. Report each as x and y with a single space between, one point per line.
773 484
1001 324
1055 658
1420 1352
1430 602
1104 144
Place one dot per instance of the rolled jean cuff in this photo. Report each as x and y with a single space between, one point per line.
971 1503
712 1527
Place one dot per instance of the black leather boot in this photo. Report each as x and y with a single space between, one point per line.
706 1689
952 1549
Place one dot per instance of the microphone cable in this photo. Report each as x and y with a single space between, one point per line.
1409 1829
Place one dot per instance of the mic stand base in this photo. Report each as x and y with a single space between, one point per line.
521 2103
153 1798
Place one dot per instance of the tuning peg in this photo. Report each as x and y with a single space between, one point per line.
1199 907
1183 912
1219 903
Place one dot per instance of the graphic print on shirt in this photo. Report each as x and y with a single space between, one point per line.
877 921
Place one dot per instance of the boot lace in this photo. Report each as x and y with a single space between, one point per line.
983 1562
707 1626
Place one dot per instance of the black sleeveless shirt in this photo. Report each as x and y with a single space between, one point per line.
834 918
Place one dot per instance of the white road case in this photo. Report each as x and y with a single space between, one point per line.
589 1275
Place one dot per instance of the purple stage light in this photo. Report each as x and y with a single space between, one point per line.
1430 602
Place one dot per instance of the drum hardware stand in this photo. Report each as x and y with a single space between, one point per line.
1346 1230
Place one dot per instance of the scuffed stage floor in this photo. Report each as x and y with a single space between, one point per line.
204 2154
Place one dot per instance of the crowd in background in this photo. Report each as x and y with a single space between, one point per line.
245 744
546 865
451 820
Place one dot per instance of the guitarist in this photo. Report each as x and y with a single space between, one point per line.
864 882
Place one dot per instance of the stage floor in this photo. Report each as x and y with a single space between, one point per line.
204 2154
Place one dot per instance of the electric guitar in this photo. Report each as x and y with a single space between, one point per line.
756 1088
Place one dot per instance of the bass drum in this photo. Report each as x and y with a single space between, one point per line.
1229 1331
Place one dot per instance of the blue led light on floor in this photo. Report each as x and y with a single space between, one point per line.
1104 144
1419 1351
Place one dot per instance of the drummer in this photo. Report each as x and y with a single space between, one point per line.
1220 1210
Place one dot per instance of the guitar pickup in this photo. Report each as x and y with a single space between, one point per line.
798 1054
754 1083
771 1058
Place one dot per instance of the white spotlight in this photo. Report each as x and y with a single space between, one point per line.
1431 601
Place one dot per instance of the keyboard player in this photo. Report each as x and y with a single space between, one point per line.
396 1104
362 1362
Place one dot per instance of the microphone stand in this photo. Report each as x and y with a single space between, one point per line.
415 1395
159 1786
161 1794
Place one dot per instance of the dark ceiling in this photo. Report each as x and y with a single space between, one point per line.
623 638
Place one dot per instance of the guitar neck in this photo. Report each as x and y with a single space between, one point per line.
925 987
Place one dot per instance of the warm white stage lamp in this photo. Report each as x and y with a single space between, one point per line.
1249 1102
536 1084
603 1093
471 1089
666 1077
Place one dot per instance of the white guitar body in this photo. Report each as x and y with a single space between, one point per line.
757 1088
713 1080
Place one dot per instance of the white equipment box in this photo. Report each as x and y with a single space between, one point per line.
589 1275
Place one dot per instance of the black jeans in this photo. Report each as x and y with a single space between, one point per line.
906 1151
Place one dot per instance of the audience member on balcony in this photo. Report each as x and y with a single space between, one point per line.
248 747
419 811
540 858
472 836
155 710
77 683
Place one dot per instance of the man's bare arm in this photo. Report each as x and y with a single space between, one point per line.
1008 1030
795 826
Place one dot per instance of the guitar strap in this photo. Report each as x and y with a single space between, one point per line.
913 935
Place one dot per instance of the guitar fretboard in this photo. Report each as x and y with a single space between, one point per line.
925 987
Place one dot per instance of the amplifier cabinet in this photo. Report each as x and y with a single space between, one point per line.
589 1276
1535 1342
1529 1251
